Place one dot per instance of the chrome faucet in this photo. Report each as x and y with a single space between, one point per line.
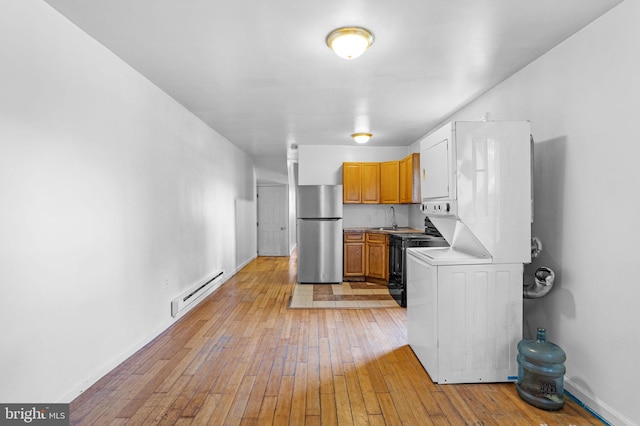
394 225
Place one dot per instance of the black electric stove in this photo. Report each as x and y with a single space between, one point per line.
398 244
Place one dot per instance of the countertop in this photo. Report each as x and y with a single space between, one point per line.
384 230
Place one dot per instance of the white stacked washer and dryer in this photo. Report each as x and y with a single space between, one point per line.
465 311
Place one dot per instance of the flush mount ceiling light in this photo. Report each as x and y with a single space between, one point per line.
361 137
350 42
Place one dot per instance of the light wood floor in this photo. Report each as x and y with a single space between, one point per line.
241 357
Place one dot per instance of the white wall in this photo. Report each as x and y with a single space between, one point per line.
322 165
583 99
115 199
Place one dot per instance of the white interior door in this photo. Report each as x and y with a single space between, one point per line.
273 207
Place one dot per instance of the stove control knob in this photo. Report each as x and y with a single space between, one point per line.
447 207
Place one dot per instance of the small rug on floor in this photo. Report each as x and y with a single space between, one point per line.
348 295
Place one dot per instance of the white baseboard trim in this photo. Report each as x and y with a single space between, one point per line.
600 409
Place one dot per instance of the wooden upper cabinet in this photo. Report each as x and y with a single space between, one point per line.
361 183
409 172
390 182
370 183
351 183
403 179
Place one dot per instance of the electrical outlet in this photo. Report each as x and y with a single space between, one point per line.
369 218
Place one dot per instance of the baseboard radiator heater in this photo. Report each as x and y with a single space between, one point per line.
193 295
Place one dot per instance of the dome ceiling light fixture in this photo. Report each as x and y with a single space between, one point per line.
350 42
361 137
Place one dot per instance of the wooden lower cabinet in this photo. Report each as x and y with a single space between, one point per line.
377 256
366 256
353 256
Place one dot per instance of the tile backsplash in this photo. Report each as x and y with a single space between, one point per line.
374 215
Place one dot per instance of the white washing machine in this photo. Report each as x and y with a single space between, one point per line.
464 320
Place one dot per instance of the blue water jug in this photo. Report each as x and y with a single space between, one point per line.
541 372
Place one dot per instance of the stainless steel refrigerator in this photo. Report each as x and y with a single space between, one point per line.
319 233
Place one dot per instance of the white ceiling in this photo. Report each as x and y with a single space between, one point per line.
259 71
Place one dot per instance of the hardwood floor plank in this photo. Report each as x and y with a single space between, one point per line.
303 341
277 367
201 384
407 403
328 415
388 409
356 398
444 421
254 405
236 413
91 402
207 409
181 369
326 371
313 382
351 322
372 366
376 420
334 352
241 357
312 421
267 410
454 394
366 387
165 401
343 404
228 390
131 387
152 384
314 332
420 388
299 399
448 408
264 337
343 343
285 396
322 323
145 410
330 319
